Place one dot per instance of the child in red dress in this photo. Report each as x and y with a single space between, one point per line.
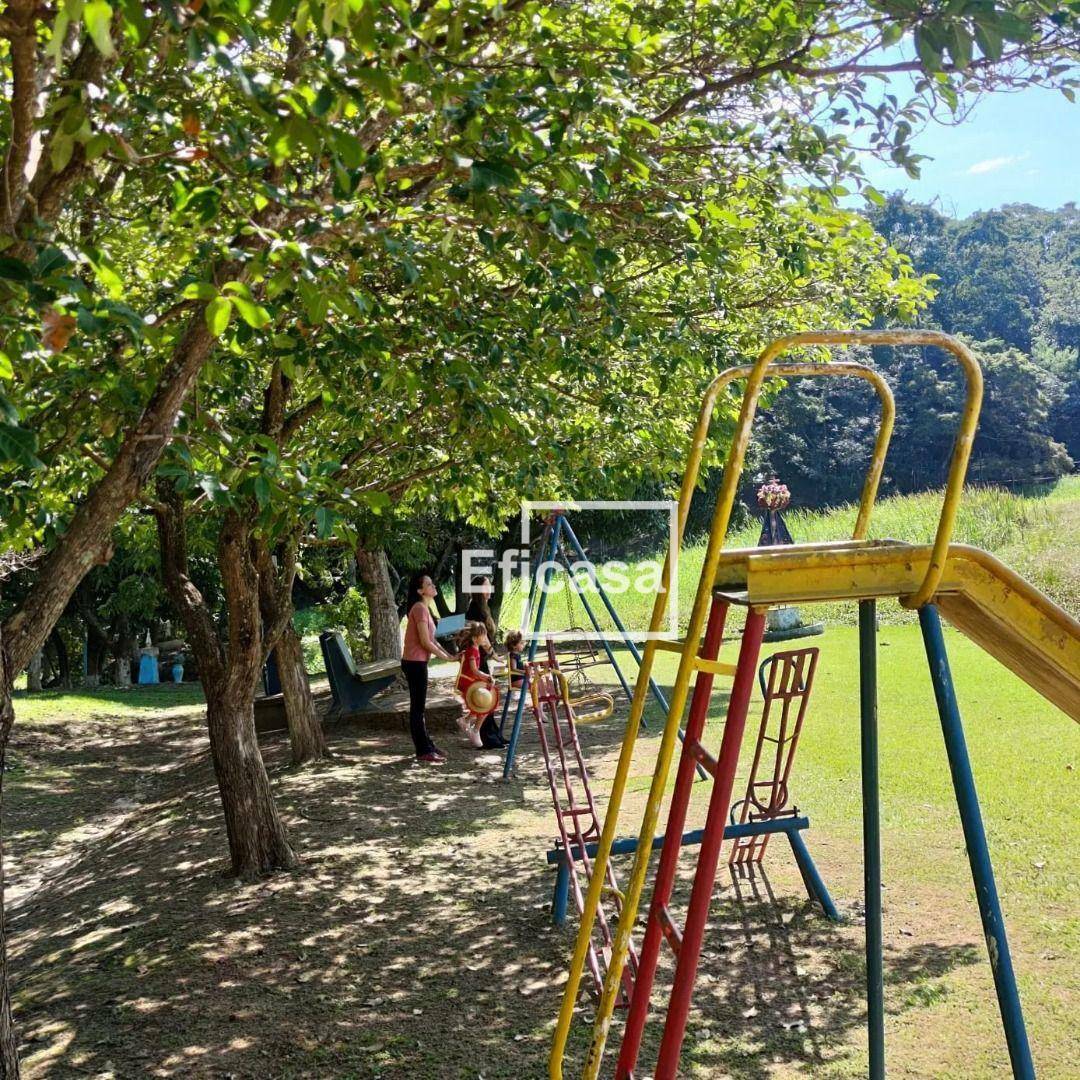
473 639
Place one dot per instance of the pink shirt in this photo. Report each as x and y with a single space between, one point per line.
419 616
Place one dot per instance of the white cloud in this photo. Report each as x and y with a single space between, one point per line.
995 163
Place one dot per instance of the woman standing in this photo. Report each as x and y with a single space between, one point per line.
420 645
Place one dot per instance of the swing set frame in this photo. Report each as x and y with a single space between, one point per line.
552 552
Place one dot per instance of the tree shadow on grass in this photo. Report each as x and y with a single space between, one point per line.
780 986
414 942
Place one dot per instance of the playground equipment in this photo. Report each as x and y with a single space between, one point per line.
556 537
788 680
575 811
985 600
751 834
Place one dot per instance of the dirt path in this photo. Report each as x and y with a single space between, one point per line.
414 942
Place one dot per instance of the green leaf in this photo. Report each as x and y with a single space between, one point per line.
218 312
324 523
255 315
989 40
109 278
279 143
14 269
874 195
55 47
365 28
262 491
97 15
63 146
380 82
18 445
6 370
892 34
959 46
316 302
96 145
199 290
486 175
349 148
928 53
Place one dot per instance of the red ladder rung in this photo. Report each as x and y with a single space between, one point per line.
698 752
669 928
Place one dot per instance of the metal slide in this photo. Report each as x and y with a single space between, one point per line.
978 594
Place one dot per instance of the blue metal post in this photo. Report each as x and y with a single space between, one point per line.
545 563
656 691
561 900
868 722
792 827
815 884
982 871
596 626
525 617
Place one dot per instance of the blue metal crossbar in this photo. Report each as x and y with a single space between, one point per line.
792 827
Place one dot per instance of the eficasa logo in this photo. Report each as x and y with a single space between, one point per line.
562 566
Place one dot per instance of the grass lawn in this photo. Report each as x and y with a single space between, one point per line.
1024 754
415 941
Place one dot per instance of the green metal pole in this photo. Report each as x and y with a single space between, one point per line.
875 983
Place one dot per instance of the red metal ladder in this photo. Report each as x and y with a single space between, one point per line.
660 925
787 678
575 811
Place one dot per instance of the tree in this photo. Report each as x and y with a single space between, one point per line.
180 186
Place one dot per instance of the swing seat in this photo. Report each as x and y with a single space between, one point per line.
604 707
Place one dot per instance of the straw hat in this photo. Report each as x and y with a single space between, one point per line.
481 698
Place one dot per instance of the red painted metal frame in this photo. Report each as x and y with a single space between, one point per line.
789 679
686 943
553 712
660 926
709 854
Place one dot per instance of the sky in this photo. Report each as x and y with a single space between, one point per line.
1019 147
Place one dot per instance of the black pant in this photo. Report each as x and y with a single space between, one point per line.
416 675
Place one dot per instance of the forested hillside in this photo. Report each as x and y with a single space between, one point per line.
1008 280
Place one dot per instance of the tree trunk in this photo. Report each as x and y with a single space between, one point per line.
33 673
258 842
305 731
62 679
382 608
9 1052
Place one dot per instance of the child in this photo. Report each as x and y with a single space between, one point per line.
473 642
515 647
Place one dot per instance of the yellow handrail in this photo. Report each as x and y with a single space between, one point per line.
969 421
678 701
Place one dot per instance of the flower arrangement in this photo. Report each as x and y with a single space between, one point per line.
773 495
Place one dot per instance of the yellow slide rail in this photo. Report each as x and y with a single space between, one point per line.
755 375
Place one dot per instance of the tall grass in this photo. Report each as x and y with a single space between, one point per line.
1035 533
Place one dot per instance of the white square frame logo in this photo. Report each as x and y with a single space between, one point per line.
530 507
